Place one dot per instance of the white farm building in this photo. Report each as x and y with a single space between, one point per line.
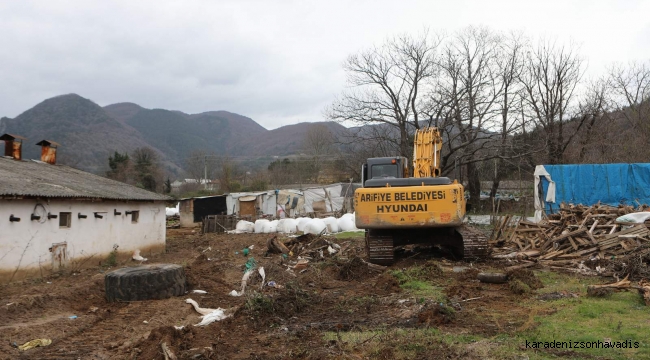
54 216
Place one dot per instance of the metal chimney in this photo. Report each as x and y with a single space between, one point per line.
48 151
13 145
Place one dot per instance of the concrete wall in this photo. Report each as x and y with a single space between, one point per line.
25 245
186 212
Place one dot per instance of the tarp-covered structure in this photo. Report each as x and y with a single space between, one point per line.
589 184
263 202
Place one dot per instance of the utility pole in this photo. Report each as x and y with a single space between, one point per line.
205 171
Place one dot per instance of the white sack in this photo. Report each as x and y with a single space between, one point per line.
245 226
332 224
347 223
288 226
259 225
315 226
270 227
302 222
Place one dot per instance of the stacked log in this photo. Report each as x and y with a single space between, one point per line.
575 234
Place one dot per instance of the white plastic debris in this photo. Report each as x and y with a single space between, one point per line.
262 274
217 315
199 292
332 224
315 226
200 310
331 250
137 257
208 315
637 217
179 327
244 280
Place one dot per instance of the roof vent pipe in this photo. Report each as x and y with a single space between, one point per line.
48 151
13 145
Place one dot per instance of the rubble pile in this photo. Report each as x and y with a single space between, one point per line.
584 238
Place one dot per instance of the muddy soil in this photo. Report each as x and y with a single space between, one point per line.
332 294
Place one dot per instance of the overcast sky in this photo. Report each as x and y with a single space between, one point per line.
278 62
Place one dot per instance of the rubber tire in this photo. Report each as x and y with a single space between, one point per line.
148 282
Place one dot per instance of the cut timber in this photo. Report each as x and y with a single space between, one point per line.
276 246
595 290
156 281
492 278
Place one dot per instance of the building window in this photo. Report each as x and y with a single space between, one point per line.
135 215
65 219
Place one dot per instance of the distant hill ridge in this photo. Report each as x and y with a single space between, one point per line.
89 133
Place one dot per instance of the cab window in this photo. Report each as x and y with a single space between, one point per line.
383 171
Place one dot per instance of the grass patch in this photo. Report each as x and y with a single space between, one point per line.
350 234
620 317
418 281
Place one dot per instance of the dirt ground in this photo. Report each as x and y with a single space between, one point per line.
333 295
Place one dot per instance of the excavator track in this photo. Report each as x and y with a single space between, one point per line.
380 247
475 243
380 244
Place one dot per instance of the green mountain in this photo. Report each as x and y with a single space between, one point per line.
85 131
89 133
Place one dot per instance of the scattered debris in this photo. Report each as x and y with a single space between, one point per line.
208 315
137 257
35 343
301 264
199 292
72 317
275 246
168 354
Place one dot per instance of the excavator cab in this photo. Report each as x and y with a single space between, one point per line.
384 168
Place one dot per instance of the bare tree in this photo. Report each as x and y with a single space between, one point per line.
552 74
464 103
386 85
630 94
319 145
510 65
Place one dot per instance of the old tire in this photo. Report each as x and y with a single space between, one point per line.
146 282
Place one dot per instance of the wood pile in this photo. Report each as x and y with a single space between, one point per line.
575 234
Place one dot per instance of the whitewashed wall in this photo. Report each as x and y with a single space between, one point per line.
24 245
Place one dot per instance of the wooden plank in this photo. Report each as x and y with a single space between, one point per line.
573 243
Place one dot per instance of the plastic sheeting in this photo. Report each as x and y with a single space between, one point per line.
330 195
588 184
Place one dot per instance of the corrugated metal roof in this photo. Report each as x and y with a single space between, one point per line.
35 178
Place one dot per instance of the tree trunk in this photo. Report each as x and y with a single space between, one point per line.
473 186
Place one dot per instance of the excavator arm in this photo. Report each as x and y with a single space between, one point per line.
426 153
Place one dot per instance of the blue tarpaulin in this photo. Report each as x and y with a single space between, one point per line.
588 184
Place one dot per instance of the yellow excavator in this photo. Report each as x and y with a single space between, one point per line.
397 210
